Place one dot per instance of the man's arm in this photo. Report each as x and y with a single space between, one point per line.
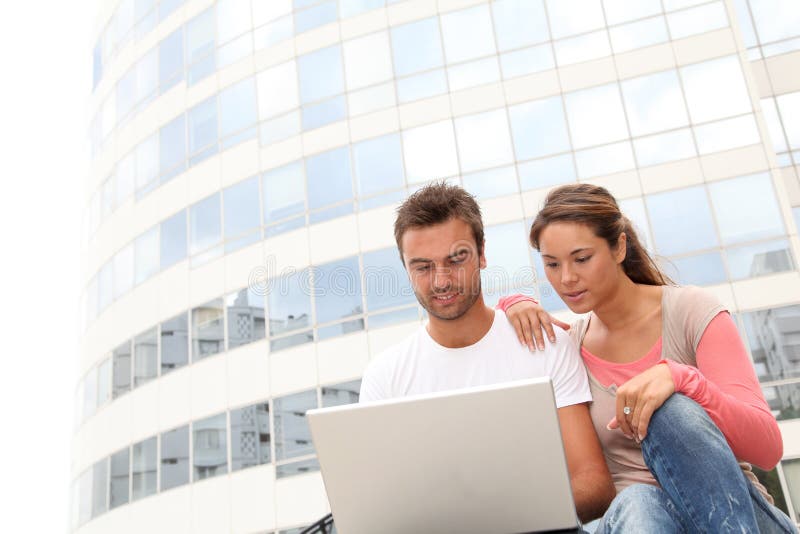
592 488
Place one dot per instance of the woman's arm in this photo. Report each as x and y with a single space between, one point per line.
725 384
529 319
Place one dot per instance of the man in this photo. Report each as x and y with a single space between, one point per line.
439 234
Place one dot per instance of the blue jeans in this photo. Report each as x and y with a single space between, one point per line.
702 488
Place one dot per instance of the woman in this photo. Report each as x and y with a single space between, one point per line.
676 401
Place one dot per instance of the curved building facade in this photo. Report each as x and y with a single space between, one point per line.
248 155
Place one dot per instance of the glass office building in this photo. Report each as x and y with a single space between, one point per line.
248 155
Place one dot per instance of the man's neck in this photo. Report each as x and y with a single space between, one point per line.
464 331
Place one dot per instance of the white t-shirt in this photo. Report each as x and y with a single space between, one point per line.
420 365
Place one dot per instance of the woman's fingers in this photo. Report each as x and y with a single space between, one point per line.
624 410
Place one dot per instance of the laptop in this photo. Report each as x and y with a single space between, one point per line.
480 460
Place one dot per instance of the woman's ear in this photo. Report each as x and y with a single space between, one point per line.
622 248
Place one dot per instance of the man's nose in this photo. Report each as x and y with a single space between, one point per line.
442 278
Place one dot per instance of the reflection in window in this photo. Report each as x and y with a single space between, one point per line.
104 382
207 330
310 18
172 148
246 318
654 103
145 357
292 435
582 48
350 8
146 255
483 141
774 338
122 369
210 447
337 288
492 183
175 458
326 112
596 116
385 280
123 271
467 34
421 86
296 468
367 60
202 125
430 152
681 221
697 20
89 393
250 436
205 229
144 468
760 259
105 283
665 147
638 34
329 183
277 90
776 20
539 128
783 400
99 487
238 114
242 214
200 45
378 164
341 394
571 17
320 74
701 82
699 270
120 476
789 106
147 164
726 134
170 60
174 343
604 159
173 240
547 172
519 23
746 208
284 197
417 47
509 264
473 73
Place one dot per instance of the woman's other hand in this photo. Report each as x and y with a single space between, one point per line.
639 397
530 320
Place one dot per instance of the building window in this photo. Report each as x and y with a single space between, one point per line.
250 436
210 447
207 330
175 458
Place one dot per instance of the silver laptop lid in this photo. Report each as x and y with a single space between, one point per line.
479 460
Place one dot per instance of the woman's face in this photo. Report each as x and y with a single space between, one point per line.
580 266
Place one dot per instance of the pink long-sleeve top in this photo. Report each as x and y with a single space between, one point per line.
723 383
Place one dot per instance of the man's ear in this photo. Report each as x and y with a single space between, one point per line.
482 256
622 248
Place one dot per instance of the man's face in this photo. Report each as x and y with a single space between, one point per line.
444 266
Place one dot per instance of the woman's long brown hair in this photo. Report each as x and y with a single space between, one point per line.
595 207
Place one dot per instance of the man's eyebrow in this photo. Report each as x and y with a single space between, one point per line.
419 260
458 252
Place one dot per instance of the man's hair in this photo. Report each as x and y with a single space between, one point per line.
437 203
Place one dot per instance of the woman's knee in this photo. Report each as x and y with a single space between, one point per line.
683 419
640 508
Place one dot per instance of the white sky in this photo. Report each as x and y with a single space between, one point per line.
45 56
